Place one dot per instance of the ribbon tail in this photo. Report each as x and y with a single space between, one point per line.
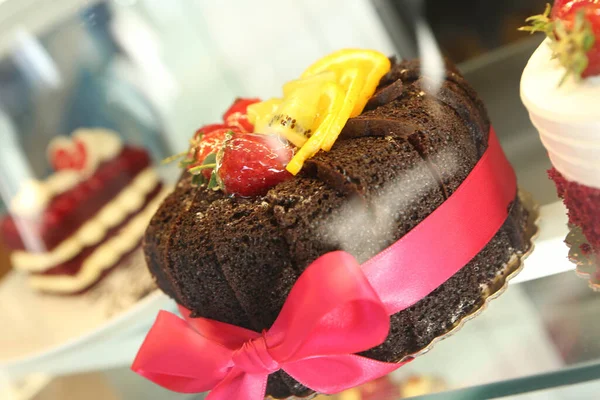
333 374
176 357
240 386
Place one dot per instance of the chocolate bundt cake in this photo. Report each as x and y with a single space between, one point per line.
235 259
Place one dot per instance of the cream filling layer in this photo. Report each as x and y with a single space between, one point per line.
574 149
104 257
94 230
33 195
567 117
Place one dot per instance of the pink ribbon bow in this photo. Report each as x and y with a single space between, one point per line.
331 312
336 308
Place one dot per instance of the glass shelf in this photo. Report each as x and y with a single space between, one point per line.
540 335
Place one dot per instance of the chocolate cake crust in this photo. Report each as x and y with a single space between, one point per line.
235 259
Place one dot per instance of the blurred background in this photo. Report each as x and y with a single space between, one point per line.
156 70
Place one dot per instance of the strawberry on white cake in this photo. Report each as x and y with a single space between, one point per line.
70 229
560 87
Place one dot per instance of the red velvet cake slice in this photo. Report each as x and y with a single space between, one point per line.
70 229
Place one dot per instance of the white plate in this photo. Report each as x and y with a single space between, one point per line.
58 335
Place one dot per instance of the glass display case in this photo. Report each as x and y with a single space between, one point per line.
141 76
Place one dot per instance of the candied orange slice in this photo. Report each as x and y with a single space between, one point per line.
353 83
371 63
315 81
315 108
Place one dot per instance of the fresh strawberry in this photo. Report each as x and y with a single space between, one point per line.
205 144
250 164
237 114
566 11
200 159
573 27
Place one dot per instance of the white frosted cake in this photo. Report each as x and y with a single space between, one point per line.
566 116
560 87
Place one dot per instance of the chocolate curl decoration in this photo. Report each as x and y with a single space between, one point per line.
385 95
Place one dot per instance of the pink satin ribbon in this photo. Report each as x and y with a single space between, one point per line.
337 307
445 241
